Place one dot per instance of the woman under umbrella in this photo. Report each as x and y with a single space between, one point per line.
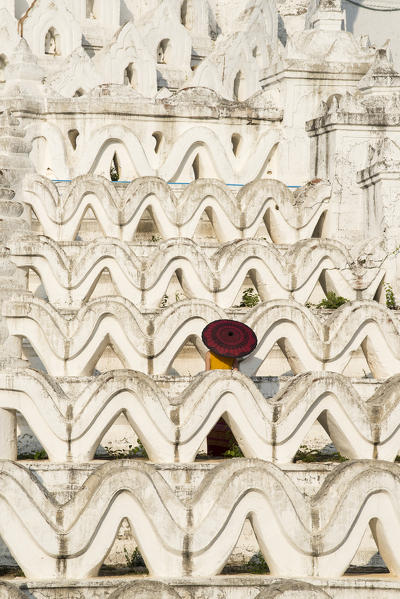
216 362
227 341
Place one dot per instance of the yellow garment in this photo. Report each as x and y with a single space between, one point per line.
220 363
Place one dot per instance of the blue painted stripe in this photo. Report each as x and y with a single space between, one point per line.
173 183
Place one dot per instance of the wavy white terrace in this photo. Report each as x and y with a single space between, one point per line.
284 215
70 273
196 536
184 481
71 417
72 343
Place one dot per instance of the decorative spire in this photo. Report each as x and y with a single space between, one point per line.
14 149
326 15
12 222
24 76
382 78
12 279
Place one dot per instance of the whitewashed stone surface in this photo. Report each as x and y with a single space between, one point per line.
159 160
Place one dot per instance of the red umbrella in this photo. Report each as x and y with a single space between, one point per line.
229 338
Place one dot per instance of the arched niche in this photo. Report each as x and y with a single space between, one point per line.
239 87
258 56
130 76
104 162
90 9
163 51
3 65
158 138
187 14
94 9
115 168
73 135
52 44
236 141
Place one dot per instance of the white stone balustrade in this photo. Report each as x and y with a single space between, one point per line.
174 429
291 216
71 345
70 272
298 536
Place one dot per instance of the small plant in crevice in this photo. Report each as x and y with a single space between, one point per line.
233 452
390 297
37 455
134 560
257 564
332 301
304 454
123 454
202 455
139 451
11 572
179 297
250 298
